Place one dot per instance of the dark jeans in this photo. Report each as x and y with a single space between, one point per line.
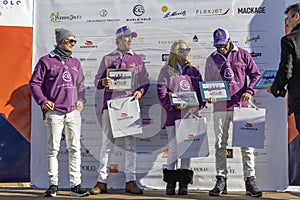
297 120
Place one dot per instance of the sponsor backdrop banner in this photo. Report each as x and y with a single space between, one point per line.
254 25
16 21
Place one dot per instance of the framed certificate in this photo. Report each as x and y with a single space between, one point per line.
216 89
122 79
189 98
266 79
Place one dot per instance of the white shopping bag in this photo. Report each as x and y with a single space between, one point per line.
125 116
249 127
191 137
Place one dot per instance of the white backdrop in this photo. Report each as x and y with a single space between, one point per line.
255 25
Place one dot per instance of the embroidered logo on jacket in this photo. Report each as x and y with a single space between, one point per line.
184 85
67 76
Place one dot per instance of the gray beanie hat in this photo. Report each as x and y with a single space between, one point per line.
61 34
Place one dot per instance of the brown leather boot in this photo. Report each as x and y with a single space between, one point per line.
99 188
132 187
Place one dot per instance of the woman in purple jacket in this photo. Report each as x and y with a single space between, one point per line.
178 75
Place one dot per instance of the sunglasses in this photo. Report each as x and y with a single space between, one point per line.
221 46
183 50
72 41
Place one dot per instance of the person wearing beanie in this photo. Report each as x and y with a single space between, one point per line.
61 34
234 65
57 85
120 59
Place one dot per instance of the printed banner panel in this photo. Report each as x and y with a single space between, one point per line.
15 99
16 13
158 25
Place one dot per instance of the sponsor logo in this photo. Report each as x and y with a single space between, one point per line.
254 38
138 20
173 14
9 4
90 168
66 76
195 38
191 139
184 85
124 115
251 10
249 126
212 11
228 73
164 57
231 170
168 42
57 17
138 10
229 153
103 13
165 153
145 139
254 55
191 136
88 44
88 59
163 135
269 77
114 168
200 169
147 121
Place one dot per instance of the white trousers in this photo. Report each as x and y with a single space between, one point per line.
57 123
107 144
221 126
172 159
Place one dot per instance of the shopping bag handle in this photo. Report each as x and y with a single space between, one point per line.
190 111
120 107
251 103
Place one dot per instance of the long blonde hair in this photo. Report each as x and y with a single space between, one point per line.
173 57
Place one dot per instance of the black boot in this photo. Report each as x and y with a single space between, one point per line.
185 176
251 187
170 177
220 187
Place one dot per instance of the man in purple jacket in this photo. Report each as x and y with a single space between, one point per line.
122 58
231 64
57 85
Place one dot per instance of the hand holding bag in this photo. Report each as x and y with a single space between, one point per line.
249 126
191 137
124 116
